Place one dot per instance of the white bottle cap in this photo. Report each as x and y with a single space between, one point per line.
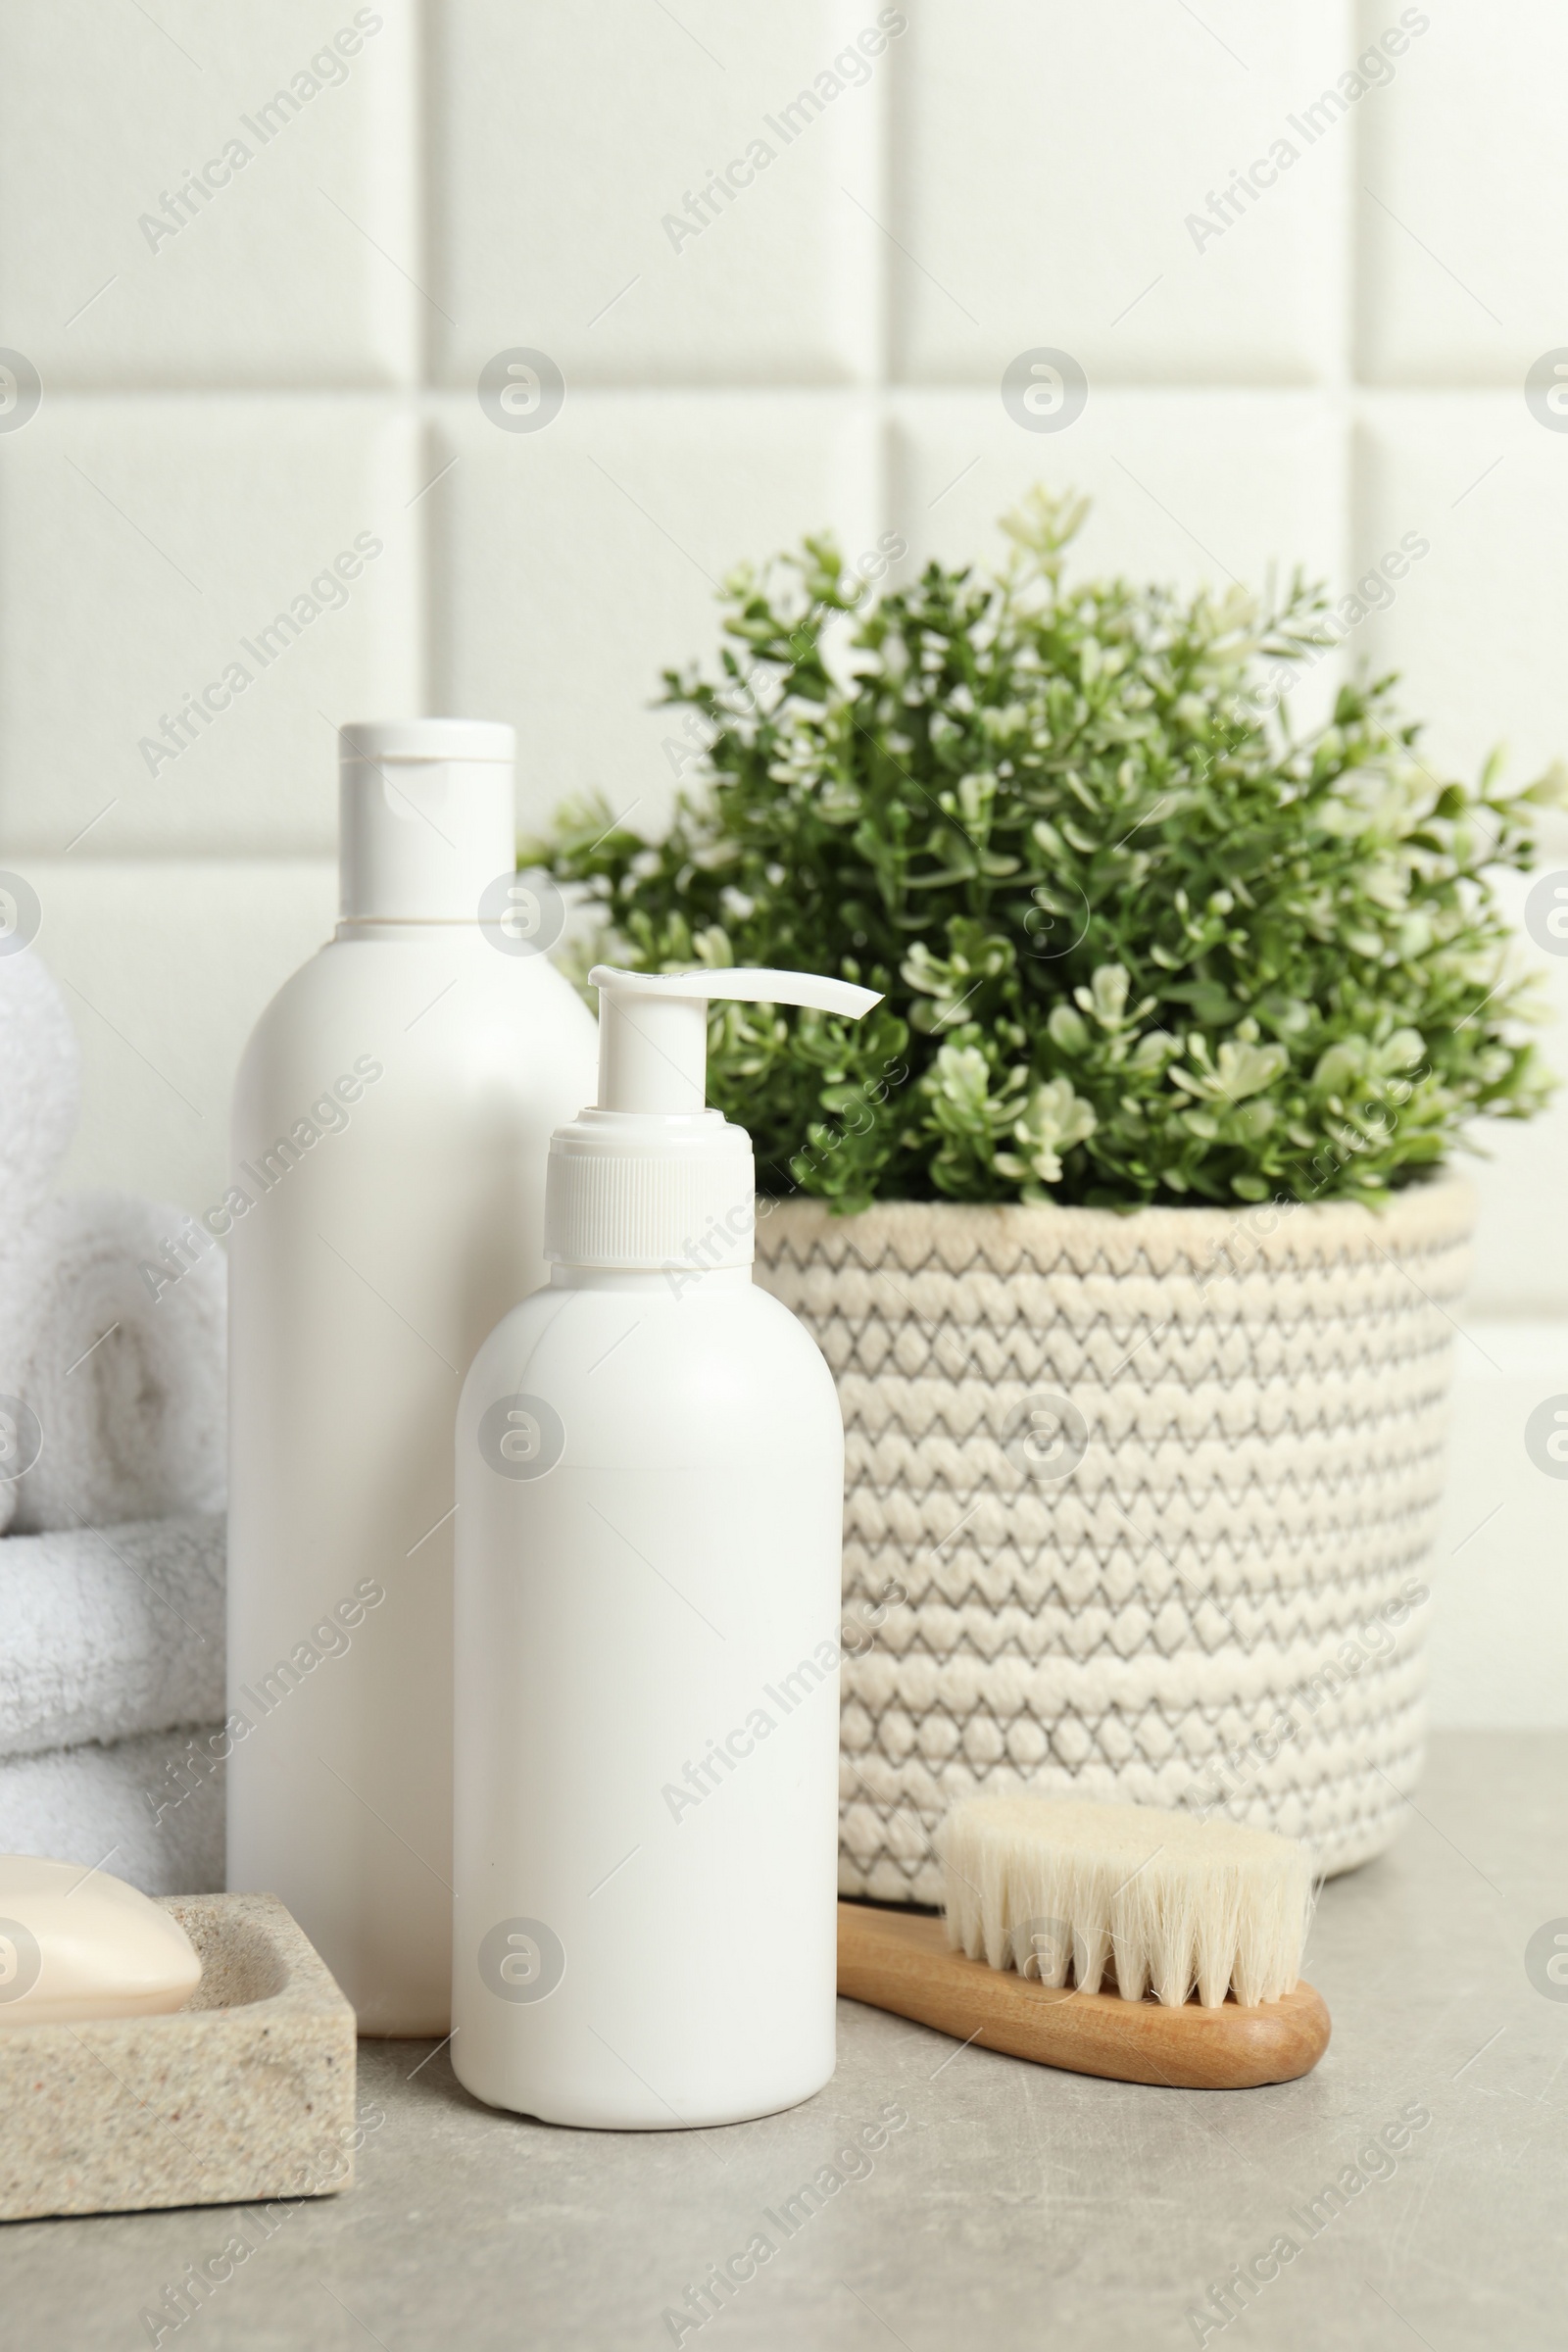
425 818
651 1178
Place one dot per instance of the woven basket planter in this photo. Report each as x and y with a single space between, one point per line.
1137 1506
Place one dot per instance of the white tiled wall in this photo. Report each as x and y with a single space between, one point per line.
228 403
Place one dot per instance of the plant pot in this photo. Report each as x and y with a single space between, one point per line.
1135 1507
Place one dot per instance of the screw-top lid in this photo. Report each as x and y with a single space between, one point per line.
649 1178
427 822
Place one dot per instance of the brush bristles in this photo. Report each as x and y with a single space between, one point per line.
1069 1893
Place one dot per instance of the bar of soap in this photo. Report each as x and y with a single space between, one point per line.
76 1943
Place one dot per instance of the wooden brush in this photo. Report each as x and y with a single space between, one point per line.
1201 1924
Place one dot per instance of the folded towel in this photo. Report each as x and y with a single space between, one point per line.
124 1368
40 1076
109 1632
150 1810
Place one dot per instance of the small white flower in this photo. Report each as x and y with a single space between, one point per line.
1240 1069
1055 1118
1153 1050
963 1076
1245 1069
1106 997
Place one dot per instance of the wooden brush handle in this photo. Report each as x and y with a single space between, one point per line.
901 1961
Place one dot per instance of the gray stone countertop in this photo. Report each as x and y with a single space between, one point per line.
1013 2207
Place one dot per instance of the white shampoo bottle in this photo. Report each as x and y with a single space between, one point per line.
651 1491
391 1123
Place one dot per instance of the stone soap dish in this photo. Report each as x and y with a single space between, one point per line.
245 2093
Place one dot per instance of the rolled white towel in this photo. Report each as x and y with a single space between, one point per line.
118 1356
150 1810
40 1076
108 1633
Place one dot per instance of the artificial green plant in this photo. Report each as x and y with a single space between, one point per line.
1138 941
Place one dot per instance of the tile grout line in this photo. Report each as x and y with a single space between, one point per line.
1341 380
421 103
879 139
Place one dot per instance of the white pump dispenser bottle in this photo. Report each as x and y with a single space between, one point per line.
392 1116
650 1489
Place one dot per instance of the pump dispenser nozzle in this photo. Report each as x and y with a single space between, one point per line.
651 1178
653 1027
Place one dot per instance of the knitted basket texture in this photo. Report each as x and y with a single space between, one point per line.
1137 1507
